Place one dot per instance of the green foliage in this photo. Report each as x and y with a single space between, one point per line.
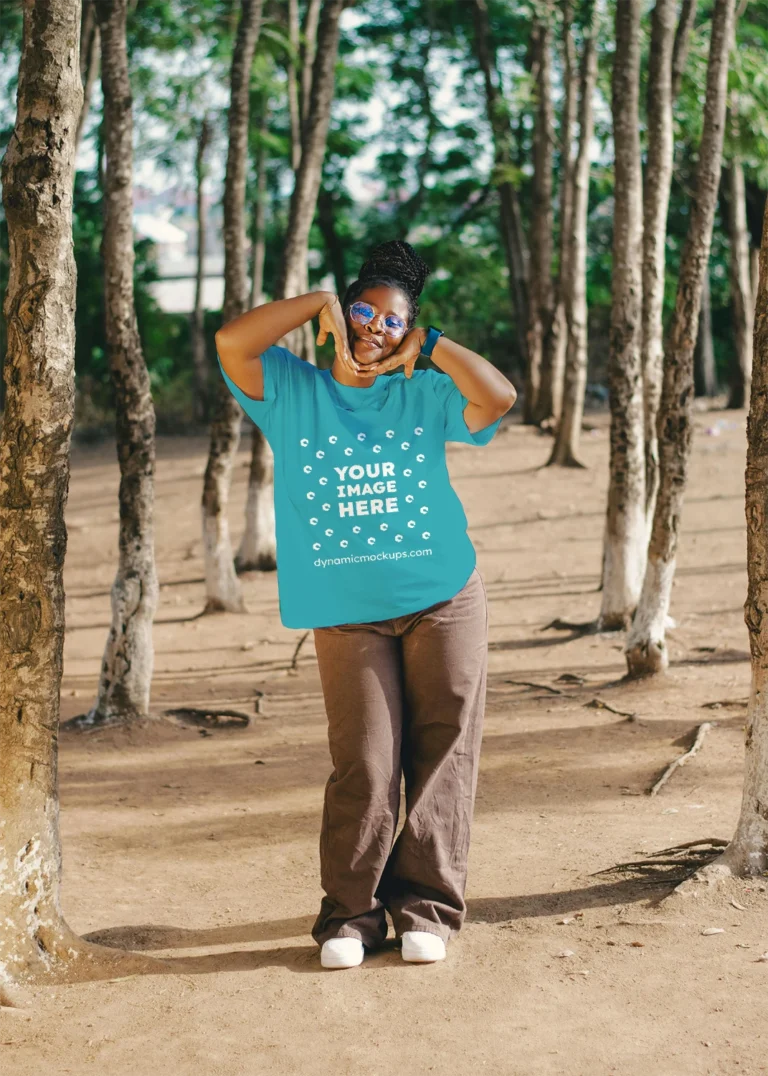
431 177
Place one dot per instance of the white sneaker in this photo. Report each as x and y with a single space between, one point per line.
421 947
341 953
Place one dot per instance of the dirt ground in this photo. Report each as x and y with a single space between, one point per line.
202 848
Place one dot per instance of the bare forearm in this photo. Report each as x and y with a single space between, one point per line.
475 377
248 335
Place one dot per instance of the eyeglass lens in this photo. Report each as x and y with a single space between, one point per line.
363 313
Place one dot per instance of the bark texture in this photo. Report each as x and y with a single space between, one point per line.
222 587
625 529
126 670
704 375
742 306
646 649
557 343
656 190
511 221
39 307
90 56
258 236
538 393
747 854
257 548
199 356
566 449
292 277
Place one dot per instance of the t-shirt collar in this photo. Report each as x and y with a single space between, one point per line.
358 397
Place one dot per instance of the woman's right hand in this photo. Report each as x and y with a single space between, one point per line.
332 321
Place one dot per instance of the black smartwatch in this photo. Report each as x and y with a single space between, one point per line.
433 335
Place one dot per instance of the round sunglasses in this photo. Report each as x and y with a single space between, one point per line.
362 313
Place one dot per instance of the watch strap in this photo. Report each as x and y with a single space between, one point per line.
433 335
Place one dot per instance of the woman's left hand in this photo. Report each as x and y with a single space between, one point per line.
406 354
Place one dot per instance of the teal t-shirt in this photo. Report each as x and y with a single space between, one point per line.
368 526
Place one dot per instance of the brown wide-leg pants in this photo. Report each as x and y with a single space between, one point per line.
404 695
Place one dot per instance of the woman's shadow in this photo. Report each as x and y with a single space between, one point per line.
297 958
239 937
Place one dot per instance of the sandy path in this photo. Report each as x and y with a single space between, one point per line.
204 848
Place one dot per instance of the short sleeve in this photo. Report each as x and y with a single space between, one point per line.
453 403
280 374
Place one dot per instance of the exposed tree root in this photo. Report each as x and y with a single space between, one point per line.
88 722
719 704
700 732
598 704
210 719
671 866
294 666
585 627
13 997
540 687
64 957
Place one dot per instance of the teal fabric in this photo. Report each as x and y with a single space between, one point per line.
368 525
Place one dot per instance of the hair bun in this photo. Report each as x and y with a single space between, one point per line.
398 260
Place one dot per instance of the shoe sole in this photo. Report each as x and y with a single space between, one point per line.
422 959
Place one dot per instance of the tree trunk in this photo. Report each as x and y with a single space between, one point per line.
566 450
625 529
741 287
511 221
682 42
747 854
90 54
222 587
656 190
538 401
257 548
557 341
258 251
646 649
199 356
126 669
39 307
293 274
307 52
293 89
705 378
334 247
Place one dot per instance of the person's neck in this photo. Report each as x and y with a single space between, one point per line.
338 373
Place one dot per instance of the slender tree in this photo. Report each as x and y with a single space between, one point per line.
223 590
34 477
257 548
742 306
747 853
705 380
646 650
511 221
566 449
292 275
538 392
553 365
625 529
259 212
665 46
199 356
126 670
90 54
39 306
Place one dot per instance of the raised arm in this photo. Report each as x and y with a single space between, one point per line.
241 341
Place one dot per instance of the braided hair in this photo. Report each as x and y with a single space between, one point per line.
394 264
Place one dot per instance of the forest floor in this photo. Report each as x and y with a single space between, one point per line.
201 848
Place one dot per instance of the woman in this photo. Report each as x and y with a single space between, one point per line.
373 554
